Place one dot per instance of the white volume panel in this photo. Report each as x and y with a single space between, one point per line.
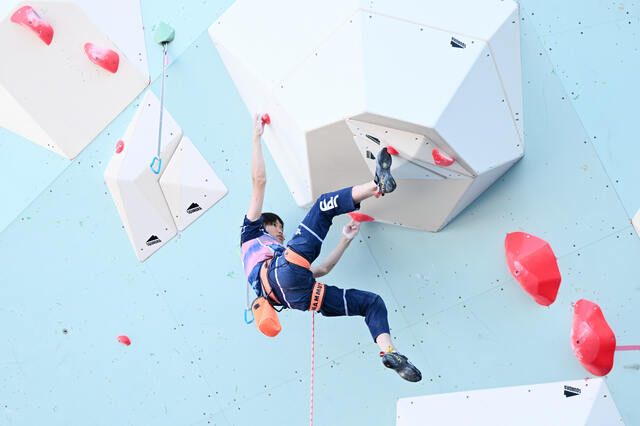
53 94
134 187
190 185
571 403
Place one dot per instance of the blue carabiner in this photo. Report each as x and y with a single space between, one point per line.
159 164
246 321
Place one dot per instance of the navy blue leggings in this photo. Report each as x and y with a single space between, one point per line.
292 284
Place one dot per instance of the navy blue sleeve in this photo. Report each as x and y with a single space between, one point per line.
251 230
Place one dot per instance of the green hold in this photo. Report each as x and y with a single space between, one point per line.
164 33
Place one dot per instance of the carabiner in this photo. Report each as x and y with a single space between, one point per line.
246 321
159 164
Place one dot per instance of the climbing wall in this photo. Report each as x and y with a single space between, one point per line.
636 222
456 93
71 286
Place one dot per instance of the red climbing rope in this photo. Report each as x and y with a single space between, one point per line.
313 333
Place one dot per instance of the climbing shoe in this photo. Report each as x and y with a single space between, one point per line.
401 365
383 177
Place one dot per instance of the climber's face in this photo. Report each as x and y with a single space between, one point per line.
276 230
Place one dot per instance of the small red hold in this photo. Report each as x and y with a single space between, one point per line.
266 119
124 339
29 18
442 159
103 57
119 146
361 217
391 150
592 340
533 264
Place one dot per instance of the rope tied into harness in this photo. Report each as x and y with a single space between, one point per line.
313 334
317 296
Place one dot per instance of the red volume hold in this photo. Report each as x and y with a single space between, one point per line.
593 341
442 159
124 340
533 264
391 150
361 217
29 18
103 57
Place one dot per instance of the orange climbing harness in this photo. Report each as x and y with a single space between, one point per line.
264 313
317 293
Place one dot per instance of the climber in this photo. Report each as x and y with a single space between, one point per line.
288 271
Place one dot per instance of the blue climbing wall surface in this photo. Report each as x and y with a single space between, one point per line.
67 265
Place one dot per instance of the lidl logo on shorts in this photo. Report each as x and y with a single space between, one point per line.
329 204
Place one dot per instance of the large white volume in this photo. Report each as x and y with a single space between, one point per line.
341 78
585 402
134 187
53 94
153 207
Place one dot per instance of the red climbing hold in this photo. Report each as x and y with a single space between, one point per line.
391 150
592 339
119 146
29 18
266 119
124 339
533 264
442 159
360 217
105 58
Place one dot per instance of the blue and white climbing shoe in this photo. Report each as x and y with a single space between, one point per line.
401 365
383 178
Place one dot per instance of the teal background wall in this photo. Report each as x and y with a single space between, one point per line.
66 262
